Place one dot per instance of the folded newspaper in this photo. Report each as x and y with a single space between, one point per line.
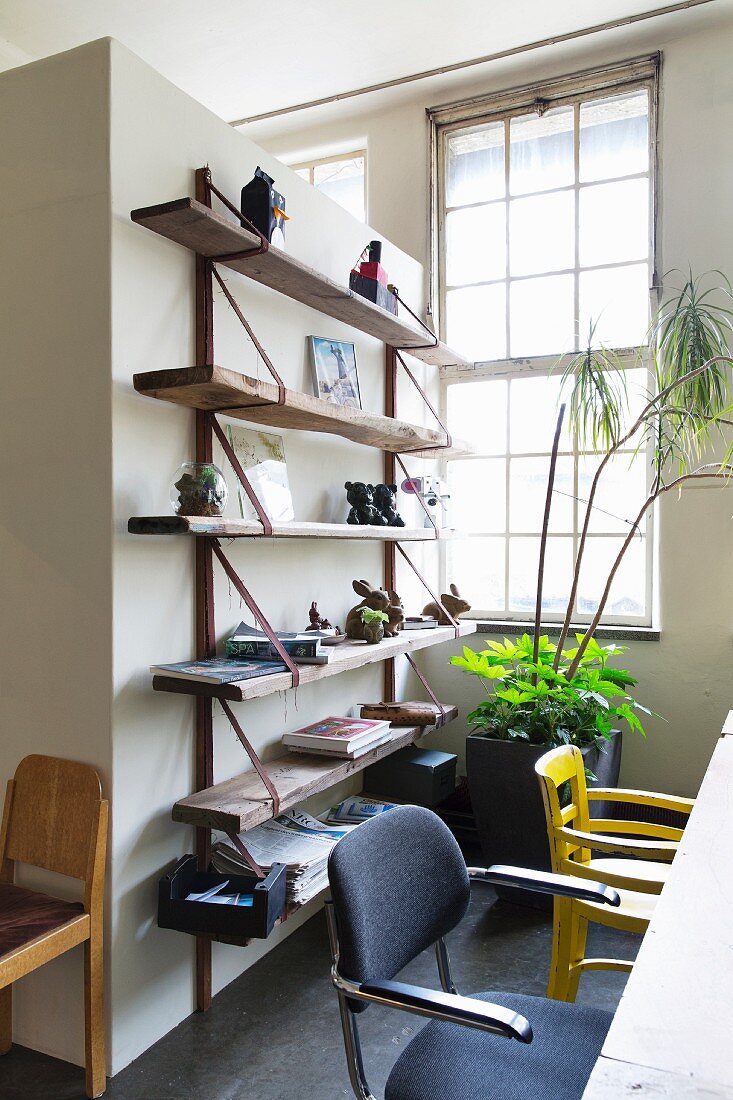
300 841
294 838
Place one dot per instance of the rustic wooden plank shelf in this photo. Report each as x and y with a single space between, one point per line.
347 656
195 226
220 390
242 802
250 528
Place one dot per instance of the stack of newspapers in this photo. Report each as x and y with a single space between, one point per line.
301 842
295 838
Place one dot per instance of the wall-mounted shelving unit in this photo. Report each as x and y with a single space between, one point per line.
215 389
252 528
240 803
237 804
196 226
347 656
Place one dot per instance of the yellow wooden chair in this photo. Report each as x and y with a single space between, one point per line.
55 818
574 835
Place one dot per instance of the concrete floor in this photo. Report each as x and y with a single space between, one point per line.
274 1033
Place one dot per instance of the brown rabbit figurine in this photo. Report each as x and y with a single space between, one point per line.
396 612
453 603
374 598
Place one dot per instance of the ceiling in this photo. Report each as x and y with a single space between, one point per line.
242 58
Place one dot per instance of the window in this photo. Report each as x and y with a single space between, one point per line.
342 178
498 499
545 232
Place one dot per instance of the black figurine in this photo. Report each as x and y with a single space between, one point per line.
361 498
385 498
264 207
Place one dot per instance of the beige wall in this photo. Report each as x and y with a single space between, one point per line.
55 436
87 300
687 676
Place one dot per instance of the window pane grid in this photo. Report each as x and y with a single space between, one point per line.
580 185
557 271
539 152
511 549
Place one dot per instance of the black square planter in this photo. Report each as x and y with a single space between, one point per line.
507 803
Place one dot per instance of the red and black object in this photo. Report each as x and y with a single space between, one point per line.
370 280
264 207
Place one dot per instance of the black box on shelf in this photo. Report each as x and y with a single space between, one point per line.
422 776
235 921
373 291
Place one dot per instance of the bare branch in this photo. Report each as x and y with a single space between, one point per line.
709 470
650 408
543 540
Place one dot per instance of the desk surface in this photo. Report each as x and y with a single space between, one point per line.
672 1033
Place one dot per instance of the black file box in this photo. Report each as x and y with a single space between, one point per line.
237 922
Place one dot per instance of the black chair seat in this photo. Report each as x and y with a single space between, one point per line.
450 1062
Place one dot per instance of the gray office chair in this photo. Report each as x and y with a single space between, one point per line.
399 883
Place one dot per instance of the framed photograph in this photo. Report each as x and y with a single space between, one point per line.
334 371
262 457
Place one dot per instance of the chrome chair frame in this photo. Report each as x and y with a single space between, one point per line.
447 1005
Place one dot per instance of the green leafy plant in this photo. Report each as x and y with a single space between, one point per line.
598 398
532 701
369 616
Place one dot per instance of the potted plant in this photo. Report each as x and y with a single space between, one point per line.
547 694
373 625
532 707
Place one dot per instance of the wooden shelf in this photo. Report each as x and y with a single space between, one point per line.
251 528
347 656
219 390
242 802
190 223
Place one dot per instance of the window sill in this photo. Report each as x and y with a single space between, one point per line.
611 633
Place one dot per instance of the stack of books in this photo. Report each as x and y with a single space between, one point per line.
347 738
305 648
419 622
294 838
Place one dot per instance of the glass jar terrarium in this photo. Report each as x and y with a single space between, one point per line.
198 489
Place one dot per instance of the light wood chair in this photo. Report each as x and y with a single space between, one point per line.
55 818
574 835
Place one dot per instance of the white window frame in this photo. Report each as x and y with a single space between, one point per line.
311 165
443 121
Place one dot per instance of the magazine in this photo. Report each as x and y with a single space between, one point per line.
301 842
353 811
217 671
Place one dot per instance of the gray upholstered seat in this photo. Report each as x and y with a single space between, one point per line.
399 883
447 1060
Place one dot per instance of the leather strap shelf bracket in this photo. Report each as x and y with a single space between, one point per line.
426 399
434 341
249 859
242 476
252 754
422 503
423 680
250 332
427 587
244 222
249 600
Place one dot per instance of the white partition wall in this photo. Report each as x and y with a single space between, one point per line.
85 137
